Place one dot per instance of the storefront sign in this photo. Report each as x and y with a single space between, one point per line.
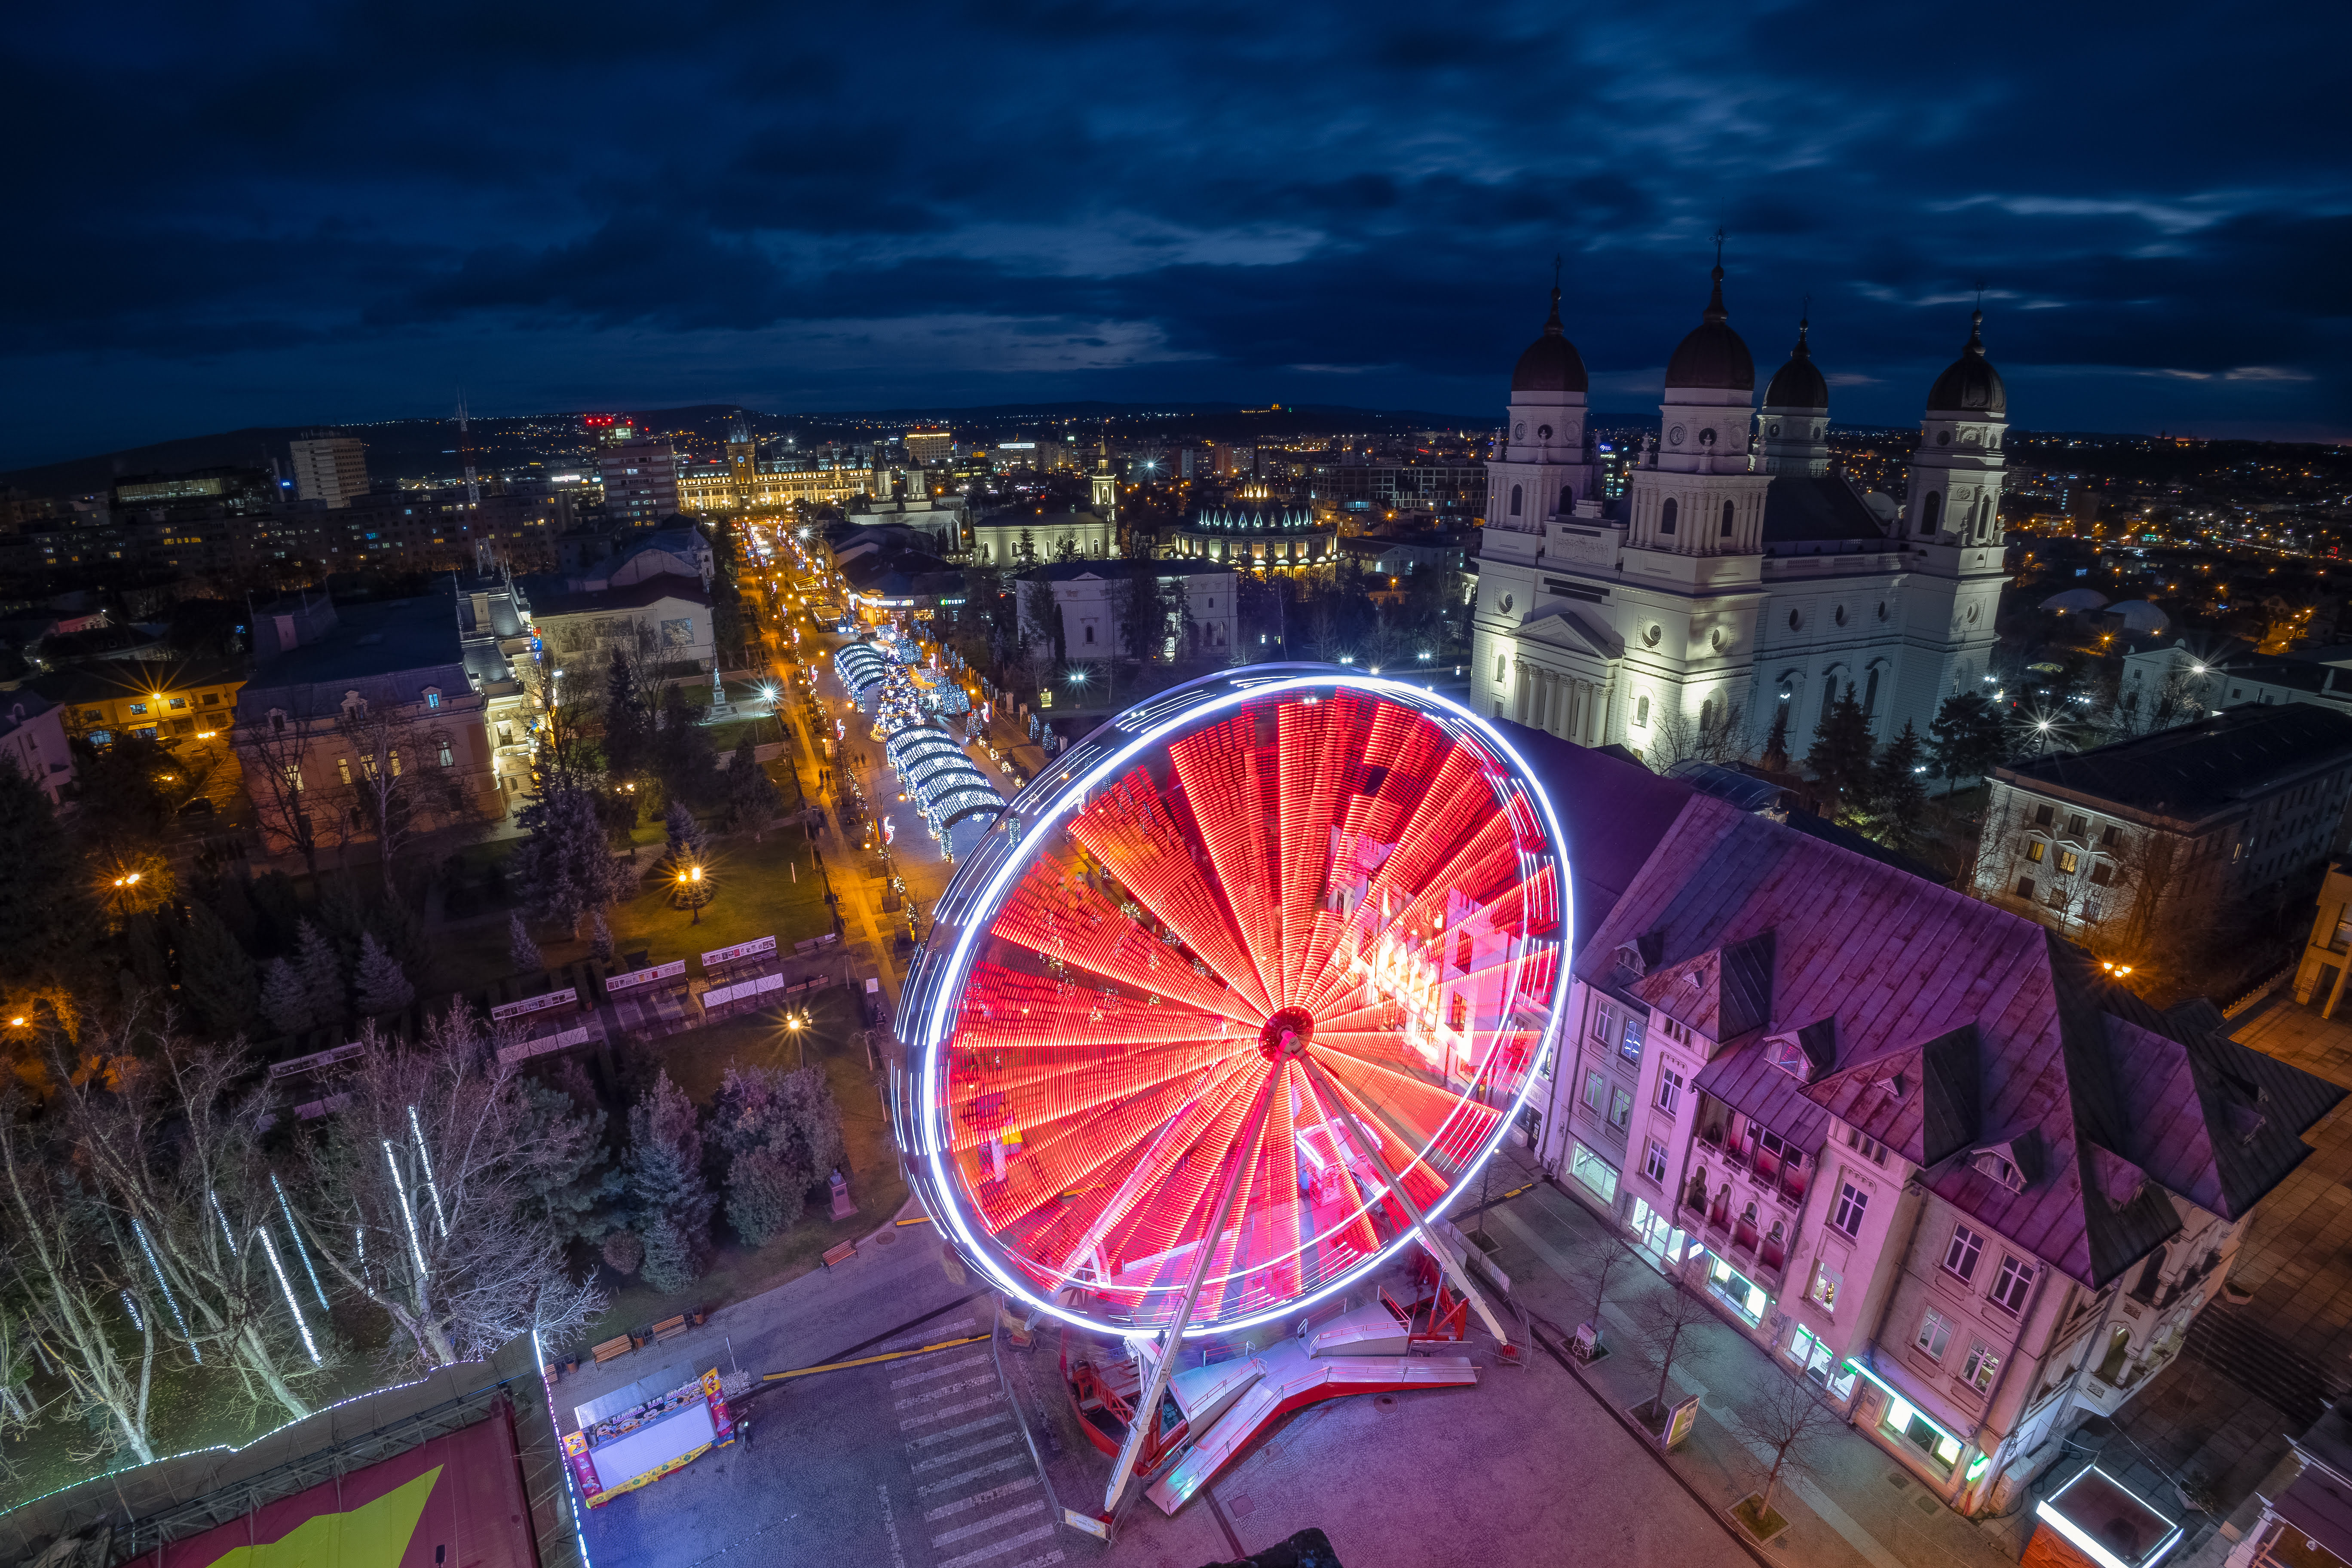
566 997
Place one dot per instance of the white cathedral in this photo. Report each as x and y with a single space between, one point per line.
1737 573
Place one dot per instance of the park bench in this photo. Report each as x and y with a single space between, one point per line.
670 1328
842 1253
620 1344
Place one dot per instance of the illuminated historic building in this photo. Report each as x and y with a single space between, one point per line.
1739 574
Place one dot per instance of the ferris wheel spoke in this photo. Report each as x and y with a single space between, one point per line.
1179 1203
1076 926
1373 1115
1224 794
1129 830
1102 1157
1318 760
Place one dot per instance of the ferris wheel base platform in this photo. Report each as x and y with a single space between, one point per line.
1284 1378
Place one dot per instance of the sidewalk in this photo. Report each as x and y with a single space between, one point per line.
1853 1505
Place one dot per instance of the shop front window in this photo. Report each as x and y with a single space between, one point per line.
1905 1424
1594 1171
1737 1292
1819 1364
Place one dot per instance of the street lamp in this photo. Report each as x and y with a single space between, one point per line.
691 889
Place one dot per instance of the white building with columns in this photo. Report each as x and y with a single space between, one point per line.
1740 572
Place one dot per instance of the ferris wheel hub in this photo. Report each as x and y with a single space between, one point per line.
1287 1034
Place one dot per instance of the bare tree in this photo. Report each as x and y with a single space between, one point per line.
402 790
169 1142
1663 1320
300 813
421 1197
84 1303
1781 1418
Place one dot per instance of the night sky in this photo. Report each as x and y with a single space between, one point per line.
231 215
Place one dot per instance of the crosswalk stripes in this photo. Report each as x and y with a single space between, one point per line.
973 1478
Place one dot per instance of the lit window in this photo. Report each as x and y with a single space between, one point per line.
138 707
1629 1044
2067 861
1960 1256
1851 1200
1621 1109
1935 1333
1655 1165
343 767
1824 1288
1980 1366
447 758
2035 849
1596 1092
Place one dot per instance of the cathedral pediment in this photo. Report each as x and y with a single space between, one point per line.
1572 631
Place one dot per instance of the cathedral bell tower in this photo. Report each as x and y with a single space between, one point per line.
1951 516
1696 506
1544 464
1793 428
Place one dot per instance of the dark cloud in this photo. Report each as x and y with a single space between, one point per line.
232 216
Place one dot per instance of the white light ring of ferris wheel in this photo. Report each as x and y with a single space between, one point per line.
933 1028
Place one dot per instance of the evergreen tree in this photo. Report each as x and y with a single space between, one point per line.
574 1184
751 800
339 917
47 917
142 942
782 1132
400 928
566 866
281 911
667 1189
381 986
321 974
1839 758
600 937
764 1196
624 1251
284 1002
215 976
1776 744
1968 736
672 1261
521 952
233 903
688 844
1896 793
684 757
626 720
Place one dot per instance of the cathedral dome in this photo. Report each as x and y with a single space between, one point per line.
1969 384
1798 384
1713 357
1551 363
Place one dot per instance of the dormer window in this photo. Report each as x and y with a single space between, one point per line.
433 697
1995 1165
1790 1058
354 705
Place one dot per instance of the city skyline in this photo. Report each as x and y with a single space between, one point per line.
793 215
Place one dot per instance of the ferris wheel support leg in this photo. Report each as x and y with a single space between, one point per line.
1147 1406
1438 1249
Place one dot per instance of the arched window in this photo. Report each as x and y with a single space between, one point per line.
1498 670
1729 513
1707 714
1984 517
1829 696
1641 710
1931 513
1567 500
1667 516
1514 500
1869 695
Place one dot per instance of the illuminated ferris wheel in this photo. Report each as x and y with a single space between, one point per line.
1234 1000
